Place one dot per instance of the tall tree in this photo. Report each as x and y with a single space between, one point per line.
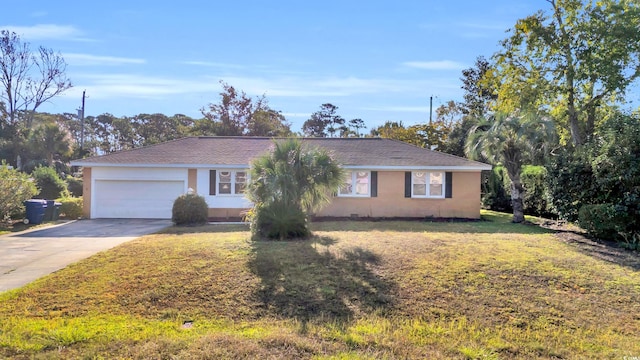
579 54
50 141
479 93
235 116
512 141
28 78
356 125
268 122
326 120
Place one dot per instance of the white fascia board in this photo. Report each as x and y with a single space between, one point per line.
182 166
407 168
246 166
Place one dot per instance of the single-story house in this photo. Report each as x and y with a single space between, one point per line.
386 179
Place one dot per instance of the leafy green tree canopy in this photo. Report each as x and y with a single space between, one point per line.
574 57
15 188
239 115
512 141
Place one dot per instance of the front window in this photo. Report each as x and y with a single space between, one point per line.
427 184
357 183
241 182
232 182
224 182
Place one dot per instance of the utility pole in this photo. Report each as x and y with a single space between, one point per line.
81 116
430 108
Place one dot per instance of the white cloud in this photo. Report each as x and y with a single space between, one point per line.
435 65
89 60
213 64
46 31
296 115
409 109
104 86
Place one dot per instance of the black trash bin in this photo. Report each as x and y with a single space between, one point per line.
48 212
56 211
35 209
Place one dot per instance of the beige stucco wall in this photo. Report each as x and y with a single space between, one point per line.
390 202
86 192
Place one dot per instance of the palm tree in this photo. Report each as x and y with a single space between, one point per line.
287 185
513 141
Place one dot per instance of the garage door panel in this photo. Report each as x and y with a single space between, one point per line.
135 199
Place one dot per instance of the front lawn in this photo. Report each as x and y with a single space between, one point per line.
357 290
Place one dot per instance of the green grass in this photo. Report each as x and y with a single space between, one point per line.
358 290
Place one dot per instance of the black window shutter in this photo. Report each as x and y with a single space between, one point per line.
448 184
212 182
407 184
374 184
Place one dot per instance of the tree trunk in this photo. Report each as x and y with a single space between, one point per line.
517 193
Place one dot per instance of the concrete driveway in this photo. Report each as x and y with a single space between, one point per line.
27 256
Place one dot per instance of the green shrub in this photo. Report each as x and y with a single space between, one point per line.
15 188
74 186
278 221
71 207
533 180
602 220
190 209
51 186
495 190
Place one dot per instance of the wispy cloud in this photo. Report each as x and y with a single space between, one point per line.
409 109
435 65
126 85
91 60
136 86
47 31
214 64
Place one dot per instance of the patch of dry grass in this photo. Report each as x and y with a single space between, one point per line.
357 290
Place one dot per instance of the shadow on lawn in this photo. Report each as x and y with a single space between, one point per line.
310 280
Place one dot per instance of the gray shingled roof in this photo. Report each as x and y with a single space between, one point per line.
214 150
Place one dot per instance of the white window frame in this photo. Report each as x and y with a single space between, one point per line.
233 181
428 185
354 175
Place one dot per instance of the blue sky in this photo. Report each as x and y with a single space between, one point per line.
375 60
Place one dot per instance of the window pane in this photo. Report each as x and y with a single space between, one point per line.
241 177
435 178
347 187
435 184
225 176
224 182
420 189
224 188
362 183
419 178
240 188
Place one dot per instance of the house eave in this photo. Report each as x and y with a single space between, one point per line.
243 166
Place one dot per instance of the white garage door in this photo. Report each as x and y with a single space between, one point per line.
135 199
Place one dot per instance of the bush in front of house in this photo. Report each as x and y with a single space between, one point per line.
278 221
15 188
71 207
74 186
190 209
51 186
